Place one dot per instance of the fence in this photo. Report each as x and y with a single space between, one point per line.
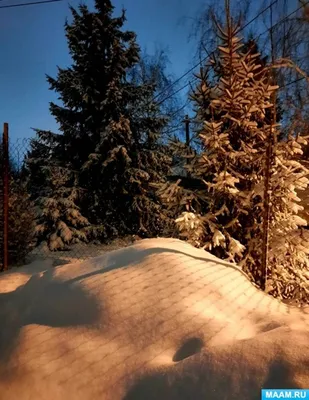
12 236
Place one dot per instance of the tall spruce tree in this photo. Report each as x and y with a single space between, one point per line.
189 191
109 126
226 217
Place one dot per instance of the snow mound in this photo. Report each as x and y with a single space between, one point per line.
156 320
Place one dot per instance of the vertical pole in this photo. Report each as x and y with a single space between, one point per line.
5 196
270 152
266 206
187 122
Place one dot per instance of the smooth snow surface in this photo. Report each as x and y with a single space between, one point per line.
156 320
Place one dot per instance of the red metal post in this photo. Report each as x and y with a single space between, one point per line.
5 196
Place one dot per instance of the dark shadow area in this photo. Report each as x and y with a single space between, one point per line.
44 301
182 385
203 380
189 348
270 327
60 261
279 375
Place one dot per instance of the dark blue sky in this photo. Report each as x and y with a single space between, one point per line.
32 43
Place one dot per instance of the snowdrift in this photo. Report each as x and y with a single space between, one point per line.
156 320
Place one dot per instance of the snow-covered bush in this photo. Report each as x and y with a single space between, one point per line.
21 236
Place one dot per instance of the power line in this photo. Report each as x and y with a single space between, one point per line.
172 130
201 61
195 79
30 4
209 55
291 83
179 109
282 20
177 91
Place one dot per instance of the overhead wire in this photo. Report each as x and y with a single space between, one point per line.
173 94
201 61
29 3
197 64
209 55
205 58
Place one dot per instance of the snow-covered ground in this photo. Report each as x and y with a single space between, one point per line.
156 320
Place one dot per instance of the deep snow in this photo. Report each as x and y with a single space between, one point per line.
156 320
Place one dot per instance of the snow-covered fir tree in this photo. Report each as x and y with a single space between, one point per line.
288 275
226 217
151 156
53 185
109 126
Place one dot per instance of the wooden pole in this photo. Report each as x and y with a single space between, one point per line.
266 218
5 196
187 123
271 142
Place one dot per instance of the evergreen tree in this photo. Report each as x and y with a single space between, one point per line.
288 243
226 217
54 188
191 189
109 127
151 161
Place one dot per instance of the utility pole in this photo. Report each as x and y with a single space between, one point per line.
187 123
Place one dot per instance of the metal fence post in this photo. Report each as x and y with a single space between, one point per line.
5 196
